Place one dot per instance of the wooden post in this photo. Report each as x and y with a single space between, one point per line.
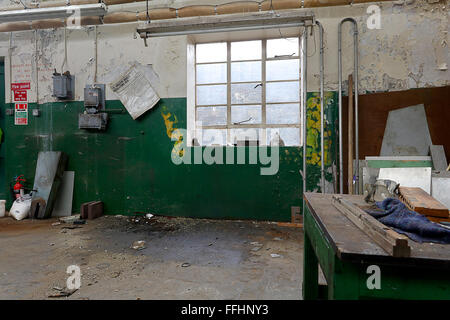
350 135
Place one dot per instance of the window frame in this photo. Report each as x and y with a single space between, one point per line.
263 125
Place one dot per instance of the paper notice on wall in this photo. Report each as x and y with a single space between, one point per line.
135 92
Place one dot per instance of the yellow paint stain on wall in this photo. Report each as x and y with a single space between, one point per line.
313 137
173 133
168 122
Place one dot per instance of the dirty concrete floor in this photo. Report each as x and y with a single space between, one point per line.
182 259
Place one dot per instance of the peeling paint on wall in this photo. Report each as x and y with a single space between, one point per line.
409 51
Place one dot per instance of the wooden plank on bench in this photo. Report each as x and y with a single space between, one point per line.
392 242
421 202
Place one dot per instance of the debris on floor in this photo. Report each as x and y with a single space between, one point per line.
69 219
138 245
101 249
62 293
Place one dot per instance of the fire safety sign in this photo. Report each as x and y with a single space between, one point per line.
21 114
20 95
20 86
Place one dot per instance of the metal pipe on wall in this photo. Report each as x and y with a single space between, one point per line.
355 71
304 54
95 54
36 62
322 125
10 66
350 135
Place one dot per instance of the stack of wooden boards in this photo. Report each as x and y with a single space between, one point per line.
421 202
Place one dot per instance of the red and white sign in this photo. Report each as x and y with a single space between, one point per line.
20 95
20 86
21 114
22 106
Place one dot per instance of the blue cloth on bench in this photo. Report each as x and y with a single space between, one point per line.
417 227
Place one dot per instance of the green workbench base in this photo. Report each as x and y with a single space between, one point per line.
348 280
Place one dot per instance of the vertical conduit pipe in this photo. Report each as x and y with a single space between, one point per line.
304 54
36 62
10 66
355 67
95 54
322 125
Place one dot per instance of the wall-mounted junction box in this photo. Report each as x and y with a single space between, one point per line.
94 104
63 85
93 121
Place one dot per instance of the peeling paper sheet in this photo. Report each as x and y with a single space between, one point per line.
135 91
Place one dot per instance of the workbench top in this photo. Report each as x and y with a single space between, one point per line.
351 243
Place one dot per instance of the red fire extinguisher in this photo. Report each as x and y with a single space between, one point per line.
18 186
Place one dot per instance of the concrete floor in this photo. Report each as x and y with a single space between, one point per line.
220 259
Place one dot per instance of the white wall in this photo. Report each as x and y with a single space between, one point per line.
409 51
118 46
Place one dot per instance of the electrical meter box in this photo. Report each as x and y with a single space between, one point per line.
94 116
94 98
63 86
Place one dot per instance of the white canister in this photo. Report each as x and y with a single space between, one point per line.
2 208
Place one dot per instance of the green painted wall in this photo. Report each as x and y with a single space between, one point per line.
3 193
129 166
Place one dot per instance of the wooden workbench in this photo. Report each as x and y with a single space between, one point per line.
344 253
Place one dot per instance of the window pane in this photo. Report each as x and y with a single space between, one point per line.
246 50
282 47
211 52
211 94
245 114
283 113
283 91
210 116
211 73
246 93
214 137
289 136
283 70
246 71
250 134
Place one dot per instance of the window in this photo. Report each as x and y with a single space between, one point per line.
248 91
